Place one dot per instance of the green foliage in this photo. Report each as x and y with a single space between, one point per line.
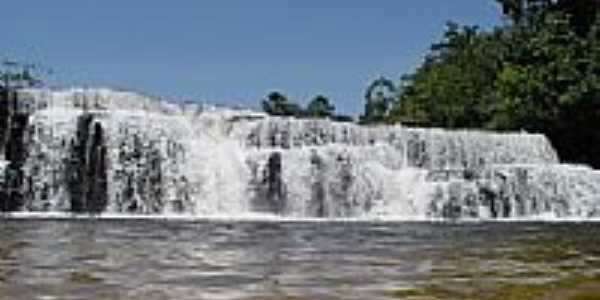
525 12
16 75
380 94
277 104
375 112
319 107
528 13
458 70
537 73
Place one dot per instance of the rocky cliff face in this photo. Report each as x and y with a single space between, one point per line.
100 150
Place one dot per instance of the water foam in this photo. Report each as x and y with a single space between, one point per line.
124 154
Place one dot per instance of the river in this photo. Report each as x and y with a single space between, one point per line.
219 259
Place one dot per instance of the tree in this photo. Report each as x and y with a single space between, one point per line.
540 72
452 87
277 104
15 75
319 107
581 13
525 12
379 95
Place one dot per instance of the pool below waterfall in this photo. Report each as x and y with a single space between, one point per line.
176 259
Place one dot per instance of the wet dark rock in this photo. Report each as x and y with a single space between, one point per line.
87 170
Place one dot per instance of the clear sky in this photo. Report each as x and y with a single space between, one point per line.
232 51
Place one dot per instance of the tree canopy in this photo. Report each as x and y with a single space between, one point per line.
380 94
277 104
319 107
15 75
539 72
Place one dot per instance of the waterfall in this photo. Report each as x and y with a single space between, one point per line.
106 151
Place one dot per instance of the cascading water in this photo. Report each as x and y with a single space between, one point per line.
106 151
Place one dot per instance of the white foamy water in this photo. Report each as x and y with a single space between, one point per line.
122 153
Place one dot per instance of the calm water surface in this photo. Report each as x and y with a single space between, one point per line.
154 259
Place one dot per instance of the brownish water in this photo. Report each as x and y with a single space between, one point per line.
153 259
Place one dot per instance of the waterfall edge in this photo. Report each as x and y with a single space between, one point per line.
99 151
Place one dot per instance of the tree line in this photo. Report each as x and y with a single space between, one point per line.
378 99
538 72
277 104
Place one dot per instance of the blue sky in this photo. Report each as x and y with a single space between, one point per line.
232 51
